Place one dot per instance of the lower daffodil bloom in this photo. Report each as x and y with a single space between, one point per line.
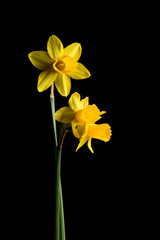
82 117
97 131
59 65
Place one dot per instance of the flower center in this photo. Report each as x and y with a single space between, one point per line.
60 65
90 114
65 64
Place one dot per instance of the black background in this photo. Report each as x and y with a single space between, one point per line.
89 181
98 189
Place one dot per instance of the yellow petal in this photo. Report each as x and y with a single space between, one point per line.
54 47
102 112
76 104
40 59
82 142
89 145
80 72
85 102
74 101
64 115
82 129
63 84
45 79
74 129
74 50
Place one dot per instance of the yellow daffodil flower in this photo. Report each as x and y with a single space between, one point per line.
97 131
82 117
59 65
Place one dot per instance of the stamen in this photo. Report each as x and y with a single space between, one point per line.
60 65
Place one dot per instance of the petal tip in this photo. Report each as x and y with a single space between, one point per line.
88 74
40 89
29 55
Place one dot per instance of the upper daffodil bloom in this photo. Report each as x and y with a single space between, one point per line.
59 65
97 131
79 113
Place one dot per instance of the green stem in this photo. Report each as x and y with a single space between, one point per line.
57 196
59 213
52 101
59 230
62 223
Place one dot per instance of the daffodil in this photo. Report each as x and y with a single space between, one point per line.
58 65
96 131
79 113
82 117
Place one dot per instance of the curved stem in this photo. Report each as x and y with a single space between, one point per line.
59 213
63 137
